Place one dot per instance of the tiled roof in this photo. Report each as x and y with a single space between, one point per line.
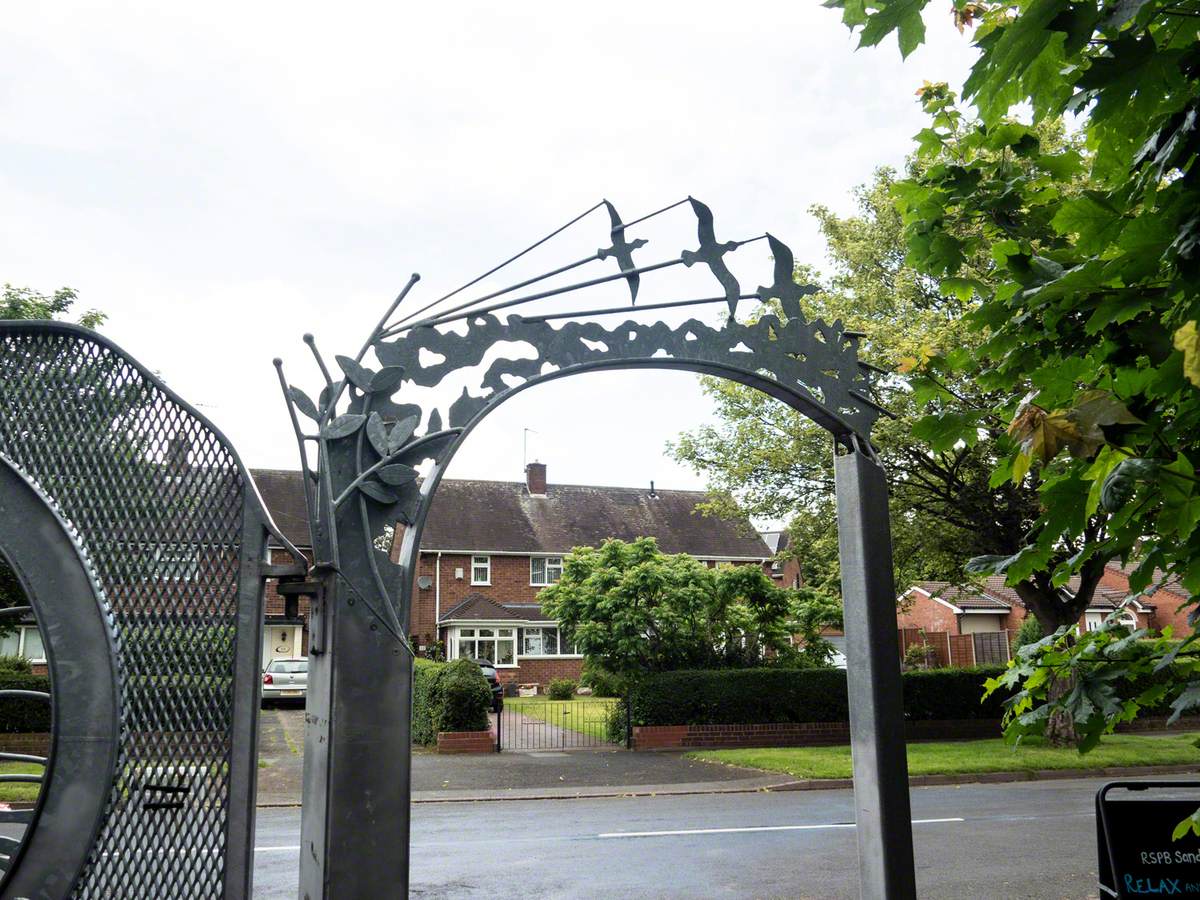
966 596
1159 581
501 516
477 606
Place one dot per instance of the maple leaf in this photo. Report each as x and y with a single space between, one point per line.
1187 342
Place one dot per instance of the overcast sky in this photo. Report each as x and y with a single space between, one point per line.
222 178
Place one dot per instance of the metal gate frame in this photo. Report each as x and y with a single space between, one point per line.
63 388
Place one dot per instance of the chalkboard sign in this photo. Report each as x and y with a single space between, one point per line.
1137 856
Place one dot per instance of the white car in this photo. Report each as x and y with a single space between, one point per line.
285 679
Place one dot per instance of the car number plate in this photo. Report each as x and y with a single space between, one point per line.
290 693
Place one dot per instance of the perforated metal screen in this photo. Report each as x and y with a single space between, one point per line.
159 504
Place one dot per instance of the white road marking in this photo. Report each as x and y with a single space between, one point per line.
295 849
753 828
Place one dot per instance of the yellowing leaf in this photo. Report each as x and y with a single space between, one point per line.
1187 342
907 364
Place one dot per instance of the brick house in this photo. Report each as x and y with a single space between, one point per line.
784 567
489 547
992 606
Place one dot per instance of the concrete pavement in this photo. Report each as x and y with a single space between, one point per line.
1023 840
555 774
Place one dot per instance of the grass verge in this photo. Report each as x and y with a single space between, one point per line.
972 757
19 791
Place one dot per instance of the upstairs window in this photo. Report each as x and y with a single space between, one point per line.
481 570
544 570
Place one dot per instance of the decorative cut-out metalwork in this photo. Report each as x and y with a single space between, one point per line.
363 431
371 436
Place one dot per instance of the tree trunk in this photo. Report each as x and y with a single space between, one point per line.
1060 729
1054 609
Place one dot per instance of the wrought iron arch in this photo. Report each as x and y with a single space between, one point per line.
369 438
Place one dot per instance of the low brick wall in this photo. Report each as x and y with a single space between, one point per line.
794 734
817 734
33 742
466 742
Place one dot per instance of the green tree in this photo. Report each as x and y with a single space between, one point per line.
777 463
631 609
1089 336
24 303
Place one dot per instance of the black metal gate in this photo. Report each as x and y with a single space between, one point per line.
538 723
139 541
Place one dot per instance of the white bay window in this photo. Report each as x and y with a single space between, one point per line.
496 645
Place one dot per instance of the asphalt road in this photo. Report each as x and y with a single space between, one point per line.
1033 839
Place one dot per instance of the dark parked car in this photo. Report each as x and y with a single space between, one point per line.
493 679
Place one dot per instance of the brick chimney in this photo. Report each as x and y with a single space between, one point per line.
535 479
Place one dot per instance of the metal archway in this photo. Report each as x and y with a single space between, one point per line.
141 544
368 443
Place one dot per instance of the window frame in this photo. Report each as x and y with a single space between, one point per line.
560 642
25 629
495 639
486 564
546 566
175 562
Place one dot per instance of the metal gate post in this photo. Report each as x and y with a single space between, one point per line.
355 821
882 811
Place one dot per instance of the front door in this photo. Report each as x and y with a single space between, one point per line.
280 642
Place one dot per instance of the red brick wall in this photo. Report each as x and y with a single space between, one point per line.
541 671
795 734
509 584
922 611
275 603
1166 603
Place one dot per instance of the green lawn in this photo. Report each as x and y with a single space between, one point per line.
586 715
19 791
970 757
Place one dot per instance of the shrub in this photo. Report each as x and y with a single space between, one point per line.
602 682
462 698
19 714
1030 632
615 723
918 656
425 674
448 697
561 689
18 664
760 696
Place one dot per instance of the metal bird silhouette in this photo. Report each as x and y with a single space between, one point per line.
785 289
622 251
710 253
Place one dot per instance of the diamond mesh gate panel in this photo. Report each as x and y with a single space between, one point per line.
158 500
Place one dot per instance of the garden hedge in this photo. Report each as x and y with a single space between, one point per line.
18 714
762 696
448 697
